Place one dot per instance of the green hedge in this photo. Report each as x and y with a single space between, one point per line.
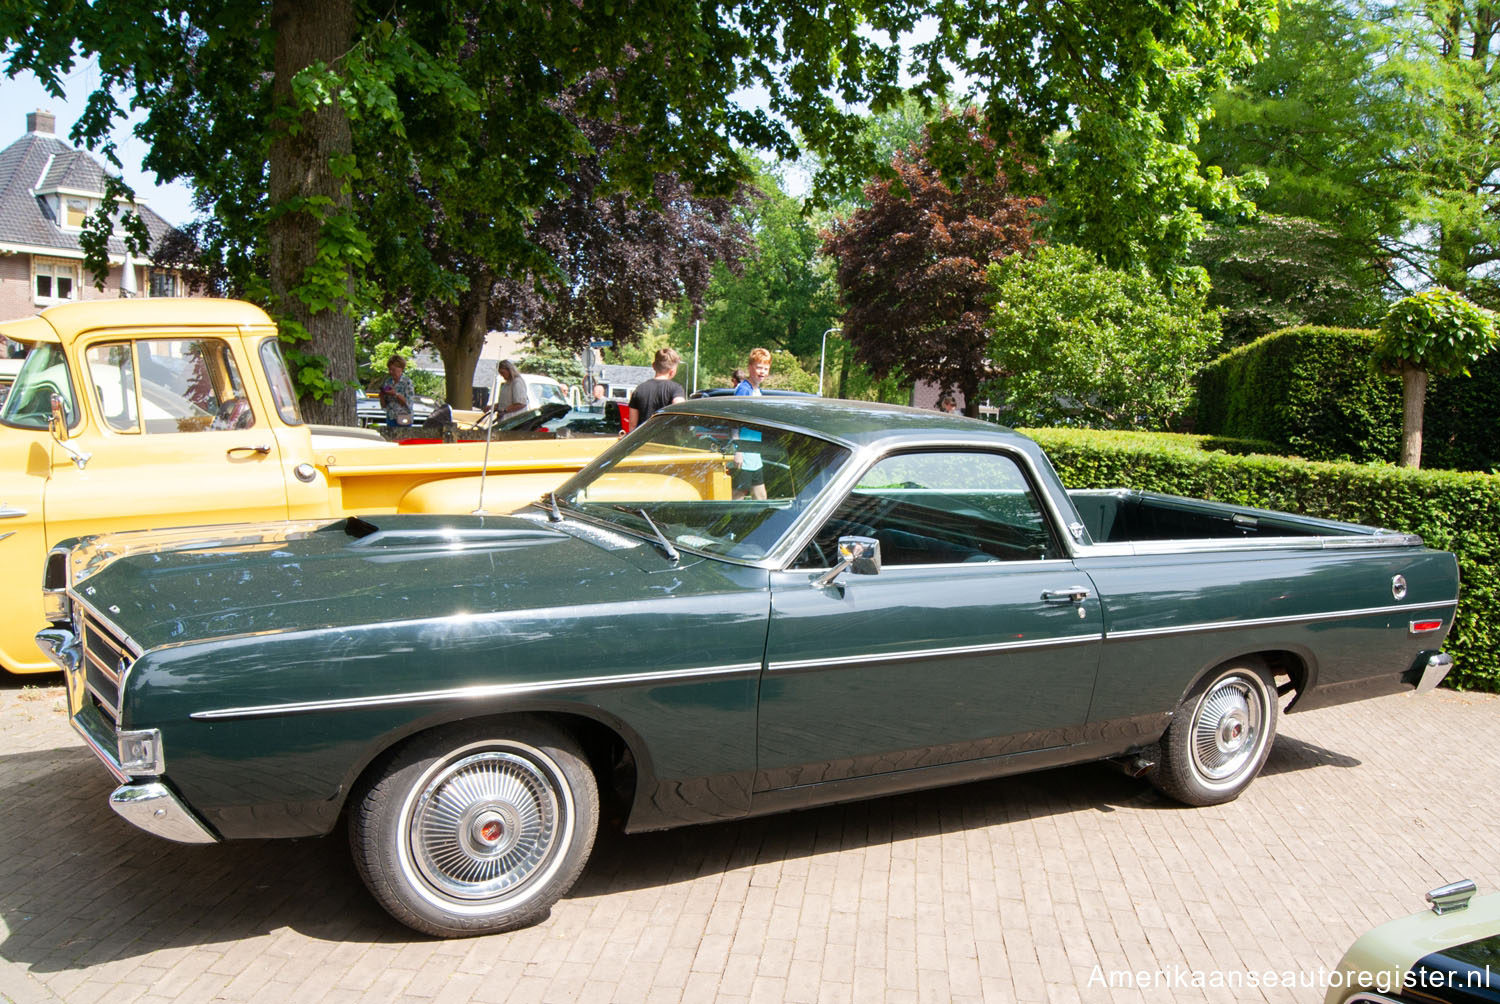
1457 512
1311 391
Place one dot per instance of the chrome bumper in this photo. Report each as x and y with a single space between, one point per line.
152 807
1433 673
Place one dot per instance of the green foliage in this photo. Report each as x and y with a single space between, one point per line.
779 296
1438 331
1104 100
1275 272
559 364
1380 121
1462 417
1079 343
1309 391
1451 511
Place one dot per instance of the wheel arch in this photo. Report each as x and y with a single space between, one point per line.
1296 663
616 753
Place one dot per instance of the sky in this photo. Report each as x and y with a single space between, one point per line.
25 94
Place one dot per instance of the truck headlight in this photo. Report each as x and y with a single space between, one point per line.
141 753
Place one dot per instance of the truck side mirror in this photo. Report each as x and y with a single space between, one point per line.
58 427
59 424
858 555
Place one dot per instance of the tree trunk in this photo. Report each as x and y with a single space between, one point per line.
300 168
1414 398
461 350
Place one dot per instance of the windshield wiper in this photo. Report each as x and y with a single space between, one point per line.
661 538
554 516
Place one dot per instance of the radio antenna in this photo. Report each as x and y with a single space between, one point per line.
489 433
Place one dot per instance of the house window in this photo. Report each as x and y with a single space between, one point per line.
74 210
56 282
163 284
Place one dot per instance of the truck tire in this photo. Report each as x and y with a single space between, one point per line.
477 828
1220 736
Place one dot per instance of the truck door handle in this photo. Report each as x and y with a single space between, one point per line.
262 449
10 512
1067 594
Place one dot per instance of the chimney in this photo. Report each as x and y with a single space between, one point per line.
40 121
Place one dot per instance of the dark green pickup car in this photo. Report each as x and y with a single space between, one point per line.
746 606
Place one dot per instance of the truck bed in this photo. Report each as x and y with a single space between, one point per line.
1116 516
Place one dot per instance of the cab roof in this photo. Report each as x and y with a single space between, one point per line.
856 423
67 321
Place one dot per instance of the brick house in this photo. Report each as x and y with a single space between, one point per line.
47 188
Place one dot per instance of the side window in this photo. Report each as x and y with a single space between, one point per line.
941 507
280 380
167 385
112 372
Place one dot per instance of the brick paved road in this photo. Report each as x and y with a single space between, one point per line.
1026 889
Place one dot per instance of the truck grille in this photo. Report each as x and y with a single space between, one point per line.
106 657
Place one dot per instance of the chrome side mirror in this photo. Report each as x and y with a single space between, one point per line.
59 424
58 427
858 555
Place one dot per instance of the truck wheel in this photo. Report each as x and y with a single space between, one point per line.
476 829
1220 736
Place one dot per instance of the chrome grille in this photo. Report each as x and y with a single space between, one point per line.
106 657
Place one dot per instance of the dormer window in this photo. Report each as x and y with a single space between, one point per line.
74 211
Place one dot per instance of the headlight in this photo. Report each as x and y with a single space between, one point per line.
141 752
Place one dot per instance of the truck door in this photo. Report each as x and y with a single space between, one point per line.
25 465
977 638
178 438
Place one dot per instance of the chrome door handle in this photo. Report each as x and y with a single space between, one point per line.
10 512
1067 594
262 449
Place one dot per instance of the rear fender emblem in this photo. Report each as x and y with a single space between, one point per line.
1398 587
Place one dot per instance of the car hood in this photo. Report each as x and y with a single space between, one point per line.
172 587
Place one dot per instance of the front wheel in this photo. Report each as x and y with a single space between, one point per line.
1220 736
476 829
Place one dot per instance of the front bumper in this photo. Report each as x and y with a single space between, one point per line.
152 807
148 804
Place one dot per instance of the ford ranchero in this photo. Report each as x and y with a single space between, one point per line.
746 606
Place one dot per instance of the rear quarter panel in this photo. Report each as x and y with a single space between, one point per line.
1169 618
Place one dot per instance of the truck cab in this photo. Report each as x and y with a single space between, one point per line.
143 414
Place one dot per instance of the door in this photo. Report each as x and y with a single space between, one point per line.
178 438
977 638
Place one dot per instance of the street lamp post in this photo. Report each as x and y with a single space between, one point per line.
822 358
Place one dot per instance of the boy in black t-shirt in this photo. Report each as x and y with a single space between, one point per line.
651 396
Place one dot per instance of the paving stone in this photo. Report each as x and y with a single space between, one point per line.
1076 884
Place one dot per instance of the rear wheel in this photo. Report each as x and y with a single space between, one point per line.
1220 736
476 829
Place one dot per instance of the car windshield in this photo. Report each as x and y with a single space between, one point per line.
710 484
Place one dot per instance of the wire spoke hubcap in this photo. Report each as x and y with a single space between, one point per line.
1227 729
485 825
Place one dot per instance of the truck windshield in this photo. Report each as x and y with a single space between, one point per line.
45 372
714 485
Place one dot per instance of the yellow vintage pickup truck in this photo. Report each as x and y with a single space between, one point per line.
138 414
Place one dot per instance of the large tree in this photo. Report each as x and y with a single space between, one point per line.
1106 100
291 120
1381 121
912 267
1275 272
